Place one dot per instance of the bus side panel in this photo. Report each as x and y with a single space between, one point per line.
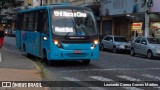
23 40
45 44
31 41
34 43
18 39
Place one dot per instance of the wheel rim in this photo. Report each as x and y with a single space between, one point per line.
132 52
149 55
102 48
114 50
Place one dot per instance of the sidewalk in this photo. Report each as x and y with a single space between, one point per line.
16 67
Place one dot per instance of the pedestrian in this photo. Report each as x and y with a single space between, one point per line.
1 36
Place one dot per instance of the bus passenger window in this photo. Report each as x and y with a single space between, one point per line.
45 19
30 22
35 21
25 22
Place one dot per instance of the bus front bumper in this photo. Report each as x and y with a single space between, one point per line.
74 55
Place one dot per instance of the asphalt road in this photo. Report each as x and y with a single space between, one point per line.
109 67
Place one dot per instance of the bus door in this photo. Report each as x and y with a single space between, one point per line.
36 38
44 35
18 30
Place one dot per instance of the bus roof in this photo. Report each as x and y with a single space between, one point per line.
52 6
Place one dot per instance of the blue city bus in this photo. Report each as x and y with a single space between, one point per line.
58 32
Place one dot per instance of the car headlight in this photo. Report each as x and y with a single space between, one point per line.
158 50
121 46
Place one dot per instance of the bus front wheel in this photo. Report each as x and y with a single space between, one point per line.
86 62
44 59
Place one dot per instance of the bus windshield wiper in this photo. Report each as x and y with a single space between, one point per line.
67 34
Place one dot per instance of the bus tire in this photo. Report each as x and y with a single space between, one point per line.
86 62
24 49
44 59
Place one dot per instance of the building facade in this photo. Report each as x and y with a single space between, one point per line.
121 14
130 18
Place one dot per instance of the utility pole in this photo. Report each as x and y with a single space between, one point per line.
41 4
147 21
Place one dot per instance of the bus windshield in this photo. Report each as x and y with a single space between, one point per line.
68 22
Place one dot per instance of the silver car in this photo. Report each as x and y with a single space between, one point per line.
146 46
114 43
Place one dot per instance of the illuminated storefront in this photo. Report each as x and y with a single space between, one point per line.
137 29
155 29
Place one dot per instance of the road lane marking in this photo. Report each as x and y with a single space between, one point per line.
74 79
97 88
71 79
133 88
0 57
158 87
112 69
100 78
150 76
128 78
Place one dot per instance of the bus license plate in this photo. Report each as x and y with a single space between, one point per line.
77 51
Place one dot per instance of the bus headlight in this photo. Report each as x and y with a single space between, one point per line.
57 43
95 42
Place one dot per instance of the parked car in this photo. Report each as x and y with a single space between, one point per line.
148 46
12 33
115 43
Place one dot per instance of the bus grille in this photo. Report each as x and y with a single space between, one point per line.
77 55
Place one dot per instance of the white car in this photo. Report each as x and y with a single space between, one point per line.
115 43
148 46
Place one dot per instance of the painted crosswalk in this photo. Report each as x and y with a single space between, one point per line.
74 79
128 78
100 78
124 77
151 76
70 79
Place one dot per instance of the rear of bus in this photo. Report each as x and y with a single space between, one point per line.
74 34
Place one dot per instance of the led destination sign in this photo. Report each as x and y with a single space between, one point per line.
70 14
